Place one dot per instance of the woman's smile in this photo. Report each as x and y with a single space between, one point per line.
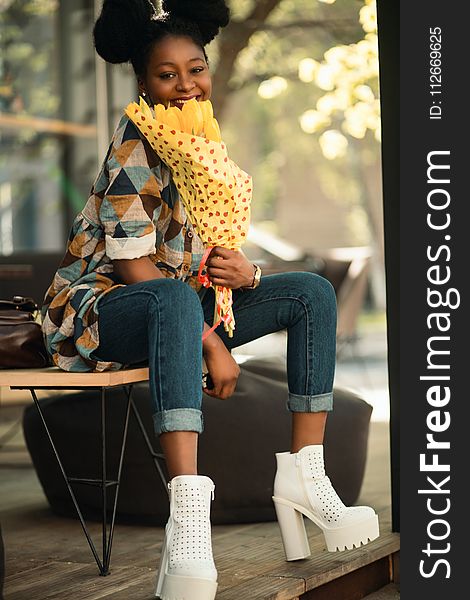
179 102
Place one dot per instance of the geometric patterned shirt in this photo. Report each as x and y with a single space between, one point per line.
134 210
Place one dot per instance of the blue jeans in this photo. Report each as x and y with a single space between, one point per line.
161 322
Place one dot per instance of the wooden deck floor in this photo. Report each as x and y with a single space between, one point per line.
48 558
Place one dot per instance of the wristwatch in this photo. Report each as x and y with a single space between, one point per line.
256 278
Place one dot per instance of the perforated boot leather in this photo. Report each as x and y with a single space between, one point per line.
301 487
187 570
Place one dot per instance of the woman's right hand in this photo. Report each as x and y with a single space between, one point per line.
222 367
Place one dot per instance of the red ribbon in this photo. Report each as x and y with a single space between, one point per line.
204 278
206 282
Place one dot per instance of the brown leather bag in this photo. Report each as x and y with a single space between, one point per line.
21 340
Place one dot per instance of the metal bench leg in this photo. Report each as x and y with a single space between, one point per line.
155 455
104 483
107 553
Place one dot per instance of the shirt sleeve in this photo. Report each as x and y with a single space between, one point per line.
132 199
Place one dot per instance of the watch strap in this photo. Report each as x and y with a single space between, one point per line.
256 278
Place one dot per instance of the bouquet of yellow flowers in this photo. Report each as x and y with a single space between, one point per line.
215 192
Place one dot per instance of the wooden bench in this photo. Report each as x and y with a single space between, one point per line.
53 378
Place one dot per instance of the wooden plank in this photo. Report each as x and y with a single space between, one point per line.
265 588
389 592
25 566
41 535
355 584
326 567
247 553
262 560
237 572
141 590
52 574
54 377
61 581
257 552
249 557
93 587
395 568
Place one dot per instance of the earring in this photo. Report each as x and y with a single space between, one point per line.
143 94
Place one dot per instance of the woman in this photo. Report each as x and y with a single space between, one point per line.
127 292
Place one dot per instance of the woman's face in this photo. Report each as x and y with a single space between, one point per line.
177 72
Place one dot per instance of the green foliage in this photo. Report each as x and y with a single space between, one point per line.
295 29
294 117
349 76
240 9
28 48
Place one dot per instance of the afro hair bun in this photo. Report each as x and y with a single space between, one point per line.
125 29
208 15
118 30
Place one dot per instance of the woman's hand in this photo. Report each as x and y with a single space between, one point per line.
229 268
222 367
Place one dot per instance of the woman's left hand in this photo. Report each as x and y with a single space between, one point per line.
229 268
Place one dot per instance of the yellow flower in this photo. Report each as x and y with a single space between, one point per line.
173 118
207 111
159 113
212 130
192 117
145 109
196 118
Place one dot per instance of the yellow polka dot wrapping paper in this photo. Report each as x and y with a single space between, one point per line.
215 192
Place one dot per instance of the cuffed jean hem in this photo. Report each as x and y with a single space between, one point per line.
178 419
318 403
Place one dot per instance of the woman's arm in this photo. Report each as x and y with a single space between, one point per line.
136 270
222 367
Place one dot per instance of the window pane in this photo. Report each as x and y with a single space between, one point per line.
47 120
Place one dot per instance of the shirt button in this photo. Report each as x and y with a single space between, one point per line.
190 234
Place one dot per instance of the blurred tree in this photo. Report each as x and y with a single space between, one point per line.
296 88
347 115
314 69
28 79
349 75
262 29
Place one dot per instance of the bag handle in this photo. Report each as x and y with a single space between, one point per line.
23 303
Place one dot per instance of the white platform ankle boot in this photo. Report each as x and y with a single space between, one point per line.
187 570
301 487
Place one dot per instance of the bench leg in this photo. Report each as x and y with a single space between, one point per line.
108 539
156 457
103 483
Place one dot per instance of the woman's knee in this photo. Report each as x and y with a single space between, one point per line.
177 298
317 291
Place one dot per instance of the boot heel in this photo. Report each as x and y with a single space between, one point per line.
176 587
171 587
293 534
161 570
